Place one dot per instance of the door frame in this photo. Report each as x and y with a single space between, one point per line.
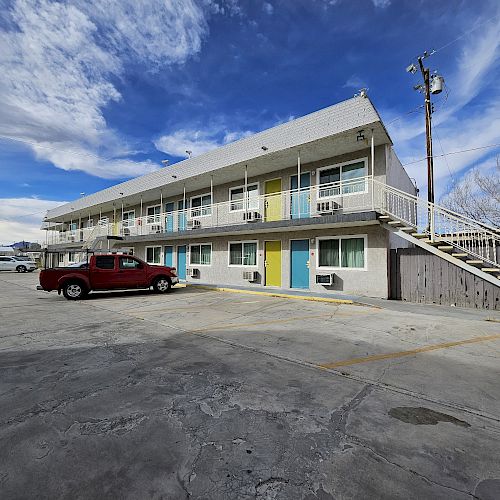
308 260
273 194
165 254
177 260
281 264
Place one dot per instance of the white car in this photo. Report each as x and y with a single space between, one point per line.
16 264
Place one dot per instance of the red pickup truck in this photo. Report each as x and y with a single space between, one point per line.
107 272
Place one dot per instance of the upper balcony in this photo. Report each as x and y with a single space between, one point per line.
305 204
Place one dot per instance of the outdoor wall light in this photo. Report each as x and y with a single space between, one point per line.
360 136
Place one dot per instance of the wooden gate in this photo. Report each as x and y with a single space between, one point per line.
419 276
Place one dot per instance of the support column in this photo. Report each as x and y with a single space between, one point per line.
373 170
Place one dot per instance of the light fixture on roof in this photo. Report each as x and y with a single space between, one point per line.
264 148
82 194
165 162
189 153
411 69
360 136
174 177
121 194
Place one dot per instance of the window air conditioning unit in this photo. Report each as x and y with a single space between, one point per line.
71 238
126 231
325 279
156 228
192 272
252 217
193 223
250 275
326 207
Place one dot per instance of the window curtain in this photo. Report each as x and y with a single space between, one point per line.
250 254
329 253
353 252
206 254
235 256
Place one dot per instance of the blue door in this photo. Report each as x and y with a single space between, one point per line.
169 256
300 199
299 263
182 215
169 218
181 262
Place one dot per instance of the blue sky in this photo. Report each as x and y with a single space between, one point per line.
94 94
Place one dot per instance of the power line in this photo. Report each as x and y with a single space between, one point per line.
453 153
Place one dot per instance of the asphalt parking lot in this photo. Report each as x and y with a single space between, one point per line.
205 394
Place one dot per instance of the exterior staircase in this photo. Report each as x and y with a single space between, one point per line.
460 240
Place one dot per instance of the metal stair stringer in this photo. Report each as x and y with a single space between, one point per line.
443 255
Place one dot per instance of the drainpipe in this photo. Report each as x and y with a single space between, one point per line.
373 171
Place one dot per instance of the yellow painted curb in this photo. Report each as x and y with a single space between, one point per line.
279 295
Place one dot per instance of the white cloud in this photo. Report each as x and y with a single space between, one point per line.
268 8
197 141
59 64
20 219
355 82
382 4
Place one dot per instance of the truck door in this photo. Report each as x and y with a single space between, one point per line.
131 273
103 275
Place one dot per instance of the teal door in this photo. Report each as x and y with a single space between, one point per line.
182 215
181 262
299 263
169 256
169 217
300 198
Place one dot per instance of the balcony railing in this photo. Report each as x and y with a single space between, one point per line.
347 196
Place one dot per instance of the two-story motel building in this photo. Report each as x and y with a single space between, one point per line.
295 206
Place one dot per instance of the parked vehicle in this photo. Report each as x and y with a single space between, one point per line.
107 272
19 264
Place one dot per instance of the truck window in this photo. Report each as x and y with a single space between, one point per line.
105 262
128 263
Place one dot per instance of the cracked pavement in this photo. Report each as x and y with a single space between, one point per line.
210 395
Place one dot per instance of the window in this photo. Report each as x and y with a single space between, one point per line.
71 256
105 262
153 214
128 263
129 218
200 255
243 253
342 252
237 199
60 258
201 205
153 255
89 223
342 179
73 226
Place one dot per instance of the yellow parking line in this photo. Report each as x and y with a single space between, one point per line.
279 295
391 355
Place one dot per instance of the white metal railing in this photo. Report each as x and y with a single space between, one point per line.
347 196
440 224
355 195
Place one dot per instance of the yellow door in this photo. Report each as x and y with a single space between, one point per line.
273 200
272 262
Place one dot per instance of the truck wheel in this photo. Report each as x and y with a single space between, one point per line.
162 285
74 290
21 269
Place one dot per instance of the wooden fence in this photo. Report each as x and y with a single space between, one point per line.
419 276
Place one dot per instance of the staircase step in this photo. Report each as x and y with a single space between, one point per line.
445 248
407 228
385 217
490 270
420 235
474 262
460 255
395 223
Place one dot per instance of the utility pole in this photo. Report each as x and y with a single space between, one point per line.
433 84
428 130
